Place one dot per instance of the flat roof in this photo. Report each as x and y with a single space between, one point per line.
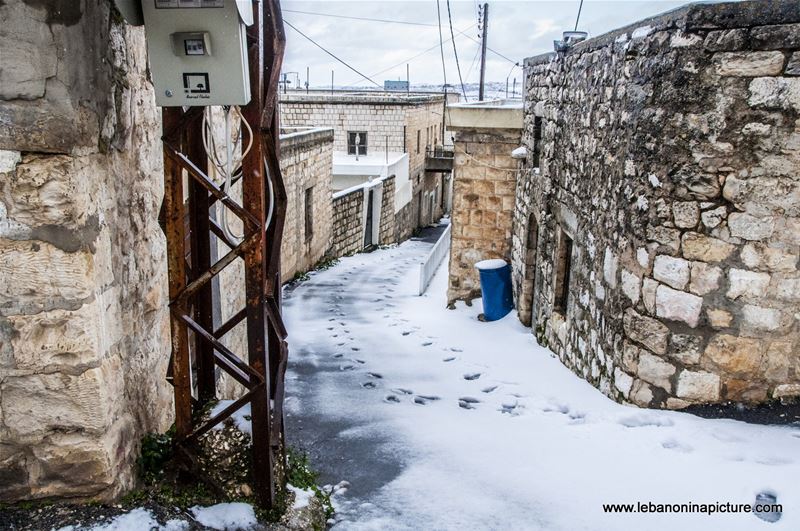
375 97
488 114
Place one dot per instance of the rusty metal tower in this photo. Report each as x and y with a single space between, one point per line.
197 345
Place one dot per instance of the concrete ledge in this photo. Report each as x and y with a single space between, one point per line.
303 137
495 114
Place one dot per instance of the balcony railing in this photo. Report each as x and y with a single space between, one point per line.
439 158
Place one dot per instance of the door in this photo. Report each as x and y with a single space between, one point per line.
368 224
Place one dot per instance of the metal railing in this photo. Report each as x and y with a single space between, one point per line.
439 152
428 267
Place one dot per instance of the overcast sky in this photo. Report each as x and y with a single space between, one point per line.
517 29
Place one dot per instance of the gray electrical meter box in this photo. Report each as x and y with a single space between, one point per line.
198 51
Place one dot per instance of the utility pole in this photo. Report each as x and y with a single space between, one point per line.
408 79
331 81
308 78
483 49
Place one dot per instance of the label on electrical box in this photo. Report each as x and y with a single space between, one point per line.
175 4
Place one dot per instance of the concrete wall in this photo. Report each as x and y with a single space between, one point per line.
84 331
670 156
306 162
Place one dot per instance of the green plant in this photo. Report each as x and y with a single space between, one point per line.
156 453
300 276
301 475
326 263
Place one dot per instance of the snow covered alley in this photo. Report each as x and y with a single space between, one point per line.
439 421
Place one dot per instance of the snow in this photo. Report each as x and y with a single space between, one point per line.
301 496
241 417
226 516
136 520
495 263
488 430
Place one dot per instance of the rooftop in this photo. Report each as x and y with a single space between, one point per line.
488 114
378 97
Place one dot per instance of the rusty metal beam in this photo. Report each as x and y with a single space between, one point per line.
261 369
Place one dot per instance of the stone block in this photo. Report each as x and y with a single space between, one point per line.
60 278
735 355
750 227
705 248
686 348
677 305
649 332
789 290
671 271
670 238
641 394
712 218
610 265
759 256
762 319
786 391
777 194
775 93
631 286
775 37
719 318
747 283
649 287
726 40
778 360
686 214
705 278
623 382
655 370
793 66
698 386
749 64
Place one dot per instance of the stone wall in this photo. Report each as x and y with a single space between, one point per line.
484 180
306 162
348 224
409 122
670 155
349 216
84 330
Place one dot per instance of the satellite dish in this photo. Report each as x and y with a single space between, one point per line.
131 11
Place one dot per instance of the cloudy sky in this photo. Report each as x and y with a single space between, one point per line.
380 50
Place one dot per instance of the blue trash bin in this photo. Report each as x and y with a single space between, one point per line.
495 288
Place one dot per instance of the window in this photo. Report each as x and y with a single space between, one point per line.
537 140
309 211
563 268
356 140
419 138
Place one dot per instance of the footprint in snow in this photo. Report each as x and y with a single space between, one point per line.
346 367
773 461
467 402
330 328
453 349
401 391
645 420
337 356
796 435
423 400
369 385
472 376
577 418
375 375
489 389
355 349
406 333
509 408
392 399
362 362
676 445
447 360
427 343
554 407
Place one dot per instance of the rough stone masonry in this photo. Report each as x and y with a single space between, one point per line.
83 303
656 247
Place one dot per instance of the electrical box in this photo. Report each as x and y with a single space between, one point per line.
198 51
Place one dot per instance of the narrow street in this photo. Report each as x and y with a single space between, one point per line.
439 421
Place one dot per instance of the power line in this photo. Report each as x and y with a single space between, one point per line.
441 43
361 18
455 50
389 21
401 63
332 55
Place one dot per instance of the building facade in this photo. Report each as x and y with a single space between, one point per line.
656 228
378 134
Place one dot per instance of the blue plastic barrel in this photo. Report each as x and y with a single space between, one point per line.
495 288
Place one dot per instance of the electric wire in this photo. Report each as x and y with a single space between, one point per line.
333 55
455 51
366 19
